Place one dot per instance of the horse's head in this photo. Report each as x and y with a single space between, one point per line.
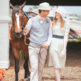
18 19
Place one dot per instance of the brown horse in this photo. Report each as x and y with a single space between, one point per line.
19 20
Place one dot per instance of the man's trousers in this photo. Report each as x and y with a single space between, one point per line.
37 57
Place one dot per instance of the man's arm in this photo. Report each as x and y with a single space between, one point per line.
49 34
28 27
47 43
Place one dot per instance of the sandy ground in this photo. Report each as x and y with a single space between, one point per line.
72 71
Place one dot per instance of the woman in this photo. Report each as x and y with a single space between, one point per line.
57 50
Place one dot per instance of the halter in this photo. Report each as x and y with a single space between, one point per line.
22 24
26 15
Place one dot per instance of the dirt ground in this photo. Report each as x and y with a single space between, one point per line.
72 71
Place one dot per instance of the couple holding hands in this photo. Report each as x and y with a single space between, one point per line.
45 34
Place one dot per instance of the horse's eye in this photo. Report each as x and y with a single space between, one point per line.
22 28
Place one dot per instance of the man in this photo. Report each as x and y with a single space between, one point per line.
40 37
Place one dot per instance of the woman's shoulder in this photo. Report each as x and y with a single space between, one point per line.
67 21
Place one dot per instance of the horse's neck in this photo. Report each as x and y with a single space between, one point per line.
25 20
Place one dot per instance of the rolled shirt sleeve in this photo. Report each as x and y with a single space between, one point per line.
28 25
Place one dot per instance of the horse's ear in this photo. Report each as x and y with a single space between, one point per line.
22 5
11 6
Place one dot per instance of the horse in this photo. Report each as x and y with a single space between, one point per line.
19 21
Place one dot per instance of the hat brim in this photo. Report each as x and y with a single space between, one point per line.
44 8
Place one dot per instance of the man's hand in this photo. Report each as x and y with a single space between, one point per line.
44 46
25 31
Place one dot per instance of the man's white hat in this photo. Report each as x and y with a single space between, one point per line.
44 6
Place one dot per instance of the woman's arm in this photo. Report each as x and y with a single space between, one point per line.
67 29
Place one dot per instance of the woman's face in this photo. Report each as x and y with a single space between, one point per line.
58 15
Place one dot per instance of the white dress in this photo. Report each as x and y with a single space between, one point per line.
58 45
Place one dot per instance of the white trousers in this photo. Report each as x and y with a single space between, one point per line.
37 57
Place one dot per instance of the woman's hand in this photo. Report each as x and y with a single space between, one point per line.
45 46
63 52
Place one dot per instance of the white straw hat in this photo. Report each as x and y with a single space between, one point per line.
62 11
44 6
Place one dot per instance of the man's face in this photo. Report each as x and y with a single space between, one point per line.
45 13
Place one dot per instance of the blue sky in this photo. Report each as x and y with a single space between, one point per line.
73 9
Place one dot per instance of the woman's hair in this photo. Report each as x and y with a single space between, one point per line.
62 22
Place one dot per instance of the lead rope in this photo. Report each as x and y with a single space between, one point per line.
25 35
25 40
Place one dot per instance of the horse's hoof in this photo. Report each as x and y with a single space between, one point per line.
21 80
27 79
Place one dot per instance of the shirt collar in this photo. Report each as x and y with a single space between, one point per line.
41 18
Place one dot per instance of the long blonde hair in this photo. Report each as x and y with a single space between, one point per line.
62 22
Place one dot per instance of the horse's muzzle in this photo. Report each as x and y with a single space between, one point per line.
18 34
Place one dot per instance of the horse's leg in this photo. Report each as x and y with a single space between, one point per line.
26 67
16 69
16 55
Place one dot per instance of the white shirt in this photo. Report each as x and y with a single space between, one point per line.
40 32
